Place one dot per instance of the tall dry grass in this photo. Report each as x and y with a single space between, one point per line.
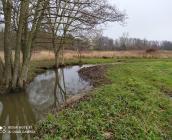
68 54
104 54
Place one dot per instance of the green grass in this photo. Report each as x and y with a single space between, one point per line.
133 107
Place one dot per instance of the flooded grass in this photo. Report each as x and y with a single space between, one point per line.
133 106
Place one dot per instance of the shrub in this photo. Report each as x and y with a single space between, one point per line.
151 50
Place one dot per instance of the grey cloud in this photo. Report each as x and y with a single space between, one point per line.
150 19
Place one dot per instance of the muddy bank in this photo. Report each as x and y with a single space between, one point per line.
96 75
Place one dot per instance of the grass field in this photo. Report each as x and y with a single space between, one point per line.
135 106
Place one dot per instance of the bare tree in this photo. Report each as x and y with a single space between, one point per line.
24 18
75 17
57 17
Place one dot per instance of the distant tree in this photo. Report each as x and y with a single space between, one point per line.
166 45
103 43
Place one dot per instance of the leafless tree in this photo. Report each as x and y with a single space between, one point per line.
23 17
57 17
75 17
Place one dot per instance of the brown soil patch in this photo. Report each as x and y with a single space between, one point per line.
166 91
96 75
169 94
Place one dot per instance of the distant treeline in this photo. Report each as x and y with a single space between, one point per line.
125 43
43 42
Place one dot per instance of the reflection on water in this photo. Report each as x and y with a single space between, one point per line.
48 89
15 111
41 90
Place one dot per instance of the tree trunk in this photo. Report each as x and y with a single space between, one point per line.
18 44
35 27
25 34
62 55
26 63
57 59
7 7
1 70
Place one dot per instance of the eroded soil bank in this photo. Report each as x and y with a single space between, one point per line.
95 74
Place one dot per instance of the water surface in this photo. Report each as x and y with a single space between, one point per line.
26 108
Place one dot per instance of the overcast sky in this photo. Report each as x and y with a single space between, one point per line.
150 19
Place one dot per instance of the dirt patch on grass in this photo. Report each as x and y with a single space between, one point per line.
166 91
96 75
169 93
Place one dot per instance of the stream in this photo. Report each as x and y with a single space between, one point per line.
46 91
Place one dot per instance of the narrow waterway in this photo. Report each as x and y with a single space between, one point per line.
47 91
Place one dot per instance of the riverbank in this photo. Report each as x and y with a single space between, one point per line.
40 66
135 105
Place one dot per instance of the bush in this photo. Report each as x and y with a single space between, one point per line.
151 50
